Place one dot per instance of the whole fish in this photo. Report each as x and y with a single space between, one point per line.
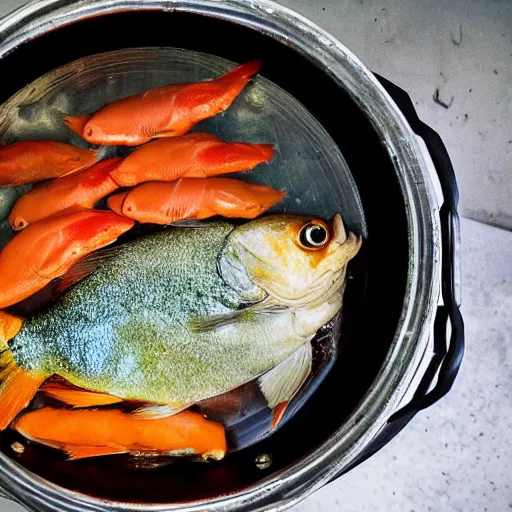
31 161
166 111
77 433
186 314
196 155
83 189
190 198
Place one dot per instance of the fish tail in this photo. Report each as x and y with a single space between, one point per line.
242 73
17 387
77 123
10 325
230 85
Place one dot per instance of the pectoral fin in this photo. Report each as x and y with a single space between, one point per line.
282 383
215 322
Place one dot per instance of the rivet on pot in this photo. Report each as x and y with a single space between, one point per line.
263 460
17 447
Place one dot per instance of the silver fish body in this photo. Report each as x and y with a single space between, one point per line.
175 317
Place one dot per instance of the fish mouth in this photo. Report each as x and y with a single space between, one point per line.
339 233
341 238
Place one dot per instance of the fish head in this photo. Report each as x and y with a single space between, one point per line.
110 130
93 132
292 260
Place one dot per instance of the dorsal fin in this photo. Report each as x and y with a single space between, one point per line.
84 268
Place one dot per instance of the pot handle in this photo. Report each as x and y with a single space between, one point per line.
448 335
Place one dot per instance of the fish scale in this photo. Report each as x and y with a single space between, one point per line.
127 323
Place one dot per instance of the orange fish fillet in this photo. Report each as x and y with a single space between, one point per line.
189 198
196 155
48 248
31 161
166 111
88 433
84 189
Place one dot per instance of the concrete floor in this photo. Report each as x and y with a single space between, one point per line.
456 456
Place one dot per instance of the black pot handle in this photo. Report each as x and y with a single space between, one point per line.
448 353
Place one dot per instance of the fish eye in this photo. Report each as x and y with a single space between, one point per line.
313 236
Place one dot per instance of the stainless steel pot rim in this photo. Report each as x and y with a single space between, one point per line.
411 338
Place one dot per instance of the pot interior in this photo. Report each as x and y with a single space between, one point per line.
374 294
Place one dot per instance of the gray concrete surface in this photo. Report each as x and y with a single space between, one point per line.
457 456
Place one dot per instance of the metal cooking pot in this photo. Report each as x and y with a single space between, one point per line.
403 343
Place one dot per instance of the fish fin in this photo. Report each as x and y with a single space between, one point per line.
77 123
77 452
213 455
278 413
10 325
165 134
189 223
77 397
243 72
76 274
84 268
215 322
157 411
17 388
282 383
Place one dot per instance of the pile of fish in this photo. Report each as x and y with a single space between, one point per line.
144 330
